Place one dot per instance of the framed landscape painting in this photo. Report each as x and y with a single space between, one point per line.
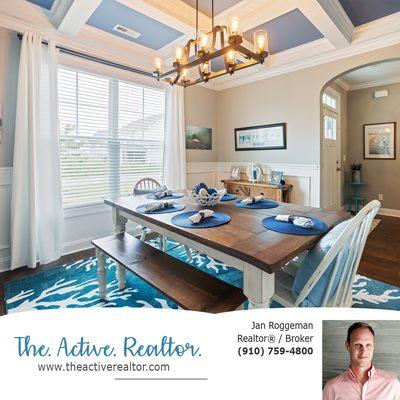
198 138
380 141
263 137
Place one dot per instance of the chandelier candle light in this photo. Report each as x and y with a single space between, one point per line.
198 53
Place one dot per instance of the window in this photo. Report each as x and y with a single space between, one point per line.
329 100
330 127
111 135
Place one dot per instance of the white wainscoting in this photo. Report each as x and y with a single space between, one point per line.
5 221
304 178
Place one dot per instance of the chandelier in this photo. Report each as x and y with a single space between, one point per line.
198 53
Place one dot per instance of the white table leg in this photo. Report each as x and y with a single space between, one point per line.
121 276
258 286
119 222
102 273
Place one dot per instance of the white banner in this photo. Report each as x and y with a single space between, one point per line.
167 354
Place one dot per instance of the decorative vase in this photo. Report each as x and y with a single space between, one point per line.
254 172
356 176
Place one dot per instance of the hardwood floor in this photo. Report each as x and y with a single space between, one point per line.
381 258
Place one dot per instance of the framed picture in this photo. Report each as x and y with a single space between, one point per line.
235 173
380 141
263 137
198 138
275 177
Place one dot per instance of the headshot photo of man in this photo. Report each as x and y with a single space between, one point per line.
362 380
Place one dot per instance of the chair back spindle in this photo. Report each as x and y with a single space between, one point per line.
145 186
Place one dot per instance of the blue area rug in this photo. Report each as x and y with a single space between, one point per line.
75 285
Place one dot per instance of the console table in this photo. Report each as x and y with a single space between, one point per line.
247 188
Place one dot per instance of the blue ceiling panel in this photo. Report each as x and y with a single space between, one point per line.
287 31
47 4
362 11
205 5
154 34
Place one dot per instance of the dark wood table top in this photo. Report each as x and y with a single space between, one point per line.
243 237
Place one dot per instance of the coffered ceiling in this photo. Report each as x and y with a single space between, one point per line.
298 30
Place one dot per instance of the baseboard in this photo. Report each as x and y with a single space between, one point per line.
5 264
86 243
389 212
68 248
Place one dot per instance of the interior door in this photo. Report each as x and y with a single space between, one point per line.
331 160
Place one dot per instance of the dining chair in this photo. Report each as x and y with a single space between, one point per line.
324 276
147 186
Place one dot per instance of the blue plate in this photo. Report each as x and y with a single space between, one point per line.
217 219
288 228
229 197
176 207
260 205
174 195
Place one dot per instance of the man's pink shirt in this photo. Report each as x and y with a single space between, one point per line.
380 385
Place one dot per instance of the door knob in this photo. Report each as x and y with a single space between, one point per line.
338 169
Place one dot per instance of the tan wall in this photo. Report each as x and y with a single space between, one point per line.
201 111
293 98
382 176
9 60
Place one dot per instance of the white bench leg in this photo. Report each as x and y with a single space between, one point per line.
121 276
188 252
102 273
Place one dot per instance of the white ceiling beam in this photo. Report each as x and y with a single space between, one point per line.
176 14
330 19
69 16
255 12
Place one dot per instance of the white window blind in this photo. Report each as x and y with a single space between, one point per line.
111 135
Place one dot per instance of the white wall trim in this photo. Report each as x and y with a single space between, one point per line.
304 178
378 82
389 212
78 211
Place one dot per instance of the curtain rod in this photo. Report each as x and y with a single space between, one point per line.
85 56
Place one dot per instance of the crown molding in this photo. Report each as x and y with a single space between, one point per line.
324 55
59 10
377 29
343 84
375 83
90 40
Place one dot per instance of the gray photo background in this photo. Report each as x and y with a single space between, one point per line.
335 358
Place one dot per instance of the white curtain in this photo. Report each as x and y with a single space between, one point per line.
36 211
174 175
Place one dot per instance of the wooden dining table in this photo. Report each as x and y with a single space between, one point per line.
243 243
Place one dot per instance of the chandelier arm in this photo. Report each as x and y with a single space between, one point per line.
212 13
214 75
260 57
197 21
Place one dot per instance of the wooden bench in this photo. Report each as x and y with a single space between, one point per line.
184 284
